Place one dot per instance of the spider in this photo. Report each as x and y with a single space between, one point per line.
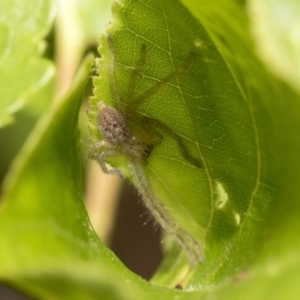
127 133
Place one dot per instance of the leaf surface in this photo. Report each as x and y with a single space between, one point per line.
207 106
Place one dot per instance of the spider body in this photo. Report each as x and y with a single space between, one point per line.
127 133
113 126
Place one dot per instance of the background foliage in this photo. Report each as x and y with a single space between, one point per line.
241 100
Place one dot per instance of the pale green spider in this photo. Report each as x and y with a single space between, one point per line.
128 133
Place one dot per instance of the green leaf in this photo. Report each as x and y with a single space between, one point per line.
278 245
275 28
211 108
21 42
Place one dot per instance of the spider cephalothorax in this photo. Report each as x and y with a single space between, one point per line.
114 128
112 125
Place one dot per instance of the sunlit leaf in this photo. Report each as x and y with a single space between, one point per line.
275 26
23 26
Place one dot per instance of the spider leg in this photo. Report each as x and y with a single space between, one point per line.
188 243
135 72
137 69
183 68
100 152
111 70
153 123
